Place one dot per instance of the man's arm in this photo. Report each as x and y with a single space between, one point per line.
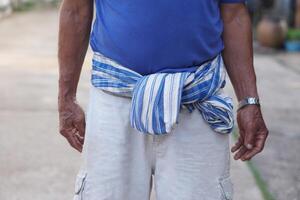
74 29
238 58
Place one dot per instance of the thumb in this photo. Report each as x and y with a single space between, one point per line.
249 139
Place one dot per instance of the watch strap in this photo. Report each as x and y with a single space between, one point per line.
248 101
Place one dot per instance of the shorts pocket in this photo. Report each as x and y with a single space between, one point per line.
226 188
80 185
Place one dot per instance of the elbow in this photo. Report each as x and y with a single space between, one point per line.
236 13
76 13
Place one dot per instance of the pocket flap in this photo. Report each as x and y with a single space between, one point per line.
80 181
227 187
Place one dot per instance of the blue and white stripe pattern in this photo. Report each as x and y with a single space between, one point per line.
157 98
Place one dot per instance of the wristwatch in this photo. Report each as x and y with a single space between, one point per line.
248 101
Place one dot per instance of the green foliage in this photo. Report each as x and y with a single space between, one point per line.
293 35
24 6
55 2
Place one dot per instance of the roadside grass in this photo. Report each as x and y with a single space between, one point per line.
257 176
34 4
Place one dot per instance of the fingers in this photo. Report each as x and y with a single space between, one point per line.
253 132
250 154
79 137
240 153
80 130
72 125
237 145
80 126
259 146
243 147
74 141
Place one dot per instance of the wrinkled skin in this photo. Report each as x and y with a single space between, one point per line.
74 30
72 124
253 133
238 59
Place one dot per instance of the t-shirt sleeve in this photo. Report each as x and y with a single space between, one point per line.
232 1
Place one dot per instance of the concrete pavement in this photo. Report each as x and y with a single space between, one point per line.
279 163
35 161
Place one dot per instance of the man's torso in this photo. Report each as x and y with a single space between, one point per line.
152 36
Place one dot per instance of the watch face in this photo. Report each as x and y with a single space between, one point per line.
248 101
253 101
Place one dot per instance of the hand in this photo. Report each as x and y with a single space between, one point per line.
253 133
72 123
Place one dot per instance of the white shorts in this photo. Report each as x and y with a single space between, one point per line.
120 163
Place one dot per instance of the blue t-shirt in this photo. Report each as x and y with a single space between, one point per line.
150 36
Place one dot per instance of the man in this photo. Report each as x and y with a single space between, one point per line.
173 129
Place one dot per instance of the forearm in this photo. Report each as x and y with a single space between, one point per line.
74 30
238 52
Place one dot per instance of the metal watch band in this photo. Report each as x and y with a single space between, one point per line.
248 101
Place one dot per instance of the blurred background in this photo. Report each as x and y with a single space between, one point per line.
36 163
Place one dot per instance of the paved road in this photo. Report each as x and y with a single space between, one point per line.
278 77
35 162
279 164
